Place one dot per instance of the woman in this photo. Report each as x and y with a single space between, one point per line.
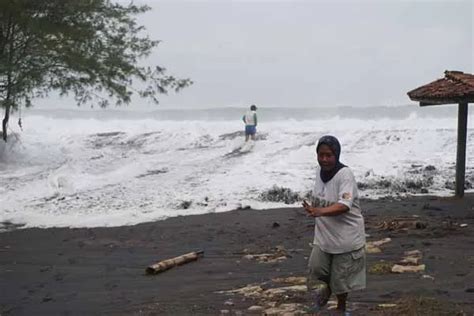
337 261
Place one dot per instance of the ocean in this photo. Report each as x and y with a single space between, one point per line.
88 168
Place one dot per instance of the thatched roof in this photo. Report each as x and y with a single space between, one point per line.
455 87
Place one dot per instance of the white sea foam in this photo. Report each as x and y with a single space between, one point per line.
96 169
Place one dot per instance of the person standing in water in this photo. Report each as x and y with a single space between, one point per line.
337 261
250 120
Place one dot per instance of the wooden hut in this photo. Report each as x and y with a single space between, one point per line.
455 88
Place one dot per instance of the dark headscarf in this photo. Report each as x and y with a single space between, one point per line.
335 147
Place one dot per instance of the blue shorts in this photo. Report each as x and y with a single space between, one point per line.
250 129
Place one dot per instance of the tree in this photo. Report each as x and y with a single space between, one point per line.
88 48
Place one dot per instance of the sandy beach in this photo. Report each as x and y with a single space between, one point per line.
138 132
102 270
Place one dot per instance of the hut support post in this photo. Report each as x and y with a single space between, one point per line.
461 149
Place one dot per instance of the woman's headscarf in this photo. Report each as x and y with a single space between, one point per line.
335 147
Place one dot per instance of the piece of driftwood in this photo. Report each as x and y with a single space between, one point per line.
170 263
403 269
373 246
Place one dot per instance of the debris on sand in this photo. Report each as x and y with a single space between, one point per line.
412 257
265 258
387 305
229 303
291 280
411 262
371 249
170 263
397 268
255 308
275 300
402 223
286 309
374 246
270 293
381 267
421 306
426 276
251 290
278 254
280 194
269 296
413 253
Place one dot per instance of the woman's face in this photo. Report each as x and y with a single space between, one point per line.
326 158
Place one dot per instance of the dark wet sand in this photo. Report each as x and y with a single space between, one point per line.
101 270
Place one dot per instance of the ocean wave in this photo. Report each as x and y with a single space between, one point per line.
88 172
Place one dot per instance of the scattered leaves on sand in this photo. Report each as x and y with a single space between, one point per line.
381 267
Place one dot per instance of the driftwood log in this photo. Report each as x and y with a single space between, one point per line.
170 263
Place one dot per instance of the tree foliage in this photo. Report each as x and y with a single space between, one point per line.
88 48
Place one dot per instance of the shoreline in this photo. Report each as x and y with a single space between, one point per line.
9 226
102 270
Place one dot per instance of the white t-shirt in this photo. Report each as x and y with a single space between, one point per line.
250 117
345 232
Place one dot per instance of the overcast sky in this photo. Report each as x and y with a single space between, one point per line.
308 53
